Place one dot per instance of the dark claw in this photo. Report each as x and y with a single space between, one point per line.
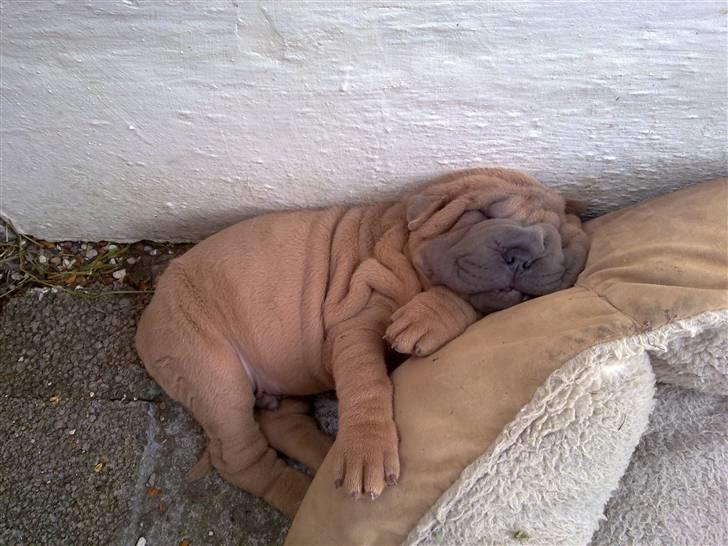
391 480
338 483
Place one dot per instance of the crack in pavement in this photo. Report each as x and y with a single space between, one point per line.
145 466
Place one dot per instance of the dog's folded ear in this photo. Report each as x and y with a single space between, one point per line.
575 245
420 207
435 212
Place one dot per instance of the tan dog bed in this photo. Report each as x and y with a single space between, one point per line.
519 430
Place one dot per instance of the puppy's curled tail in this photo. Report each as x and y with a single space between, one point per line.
201 467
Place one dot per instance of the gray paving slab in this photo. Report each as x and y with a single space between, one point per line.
92 451
53 492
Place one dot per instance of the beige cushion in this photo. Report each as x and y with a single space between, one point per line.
650 266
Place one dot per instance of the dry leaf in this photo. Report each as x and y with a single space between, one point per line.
162 508
185 542
153 491
99 467
55 399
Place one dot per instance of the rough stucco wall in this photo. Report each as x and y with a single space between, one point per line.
168 120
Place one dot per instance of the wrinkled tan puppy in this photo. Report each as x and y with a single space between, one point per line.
296 303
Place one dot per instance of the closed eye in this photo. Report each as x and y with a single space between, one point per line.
467 261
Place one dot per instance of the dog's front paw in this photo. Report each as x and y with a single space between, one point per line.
366 459
414 331
429 321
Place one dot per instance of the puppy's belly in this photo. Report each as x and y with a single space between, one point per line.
271 382
267 393
261 285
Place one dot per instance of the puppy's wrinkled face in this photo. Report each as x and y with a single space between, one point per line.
494 263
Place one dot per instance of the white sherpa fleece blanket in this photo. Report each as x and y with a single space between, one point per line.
675 490
549 475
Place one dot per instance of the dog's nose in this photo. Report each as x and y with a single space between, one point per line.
517 260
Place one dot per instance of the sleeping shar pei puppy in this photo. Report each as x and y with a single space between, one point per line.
297 303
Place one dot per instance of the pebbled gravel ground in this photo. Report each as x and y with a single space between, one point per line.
93 452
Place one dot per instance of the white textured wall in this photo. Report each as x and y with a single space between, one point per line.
167 120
